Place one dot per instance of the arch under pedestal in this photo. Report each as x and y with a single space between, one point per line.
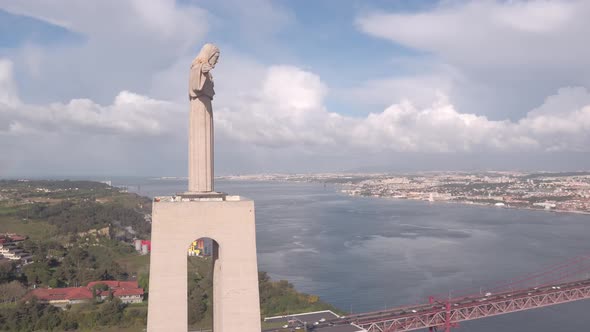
236 305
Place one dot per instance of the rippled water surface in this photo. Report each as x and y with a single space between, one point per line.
364 254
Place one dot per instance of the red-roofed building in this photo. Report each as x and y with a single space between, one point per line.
147 243
114 284
11 237
60 297
127 291
16 237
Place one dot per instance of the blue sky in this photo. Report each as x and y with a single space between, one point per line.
15 30
99 87
341 53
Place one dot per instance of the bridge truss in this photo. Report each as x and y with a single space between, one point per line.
446 315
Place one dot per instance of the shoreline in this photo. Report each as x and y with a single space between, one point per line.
466 203
469 203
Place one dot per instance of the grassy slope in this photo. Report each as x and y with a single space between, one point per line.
135 263
36 230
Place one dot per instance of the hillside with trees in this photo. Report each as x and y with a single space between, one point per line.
83 231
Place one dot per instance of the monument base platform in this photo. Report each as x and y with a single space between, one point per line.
176 222
201 195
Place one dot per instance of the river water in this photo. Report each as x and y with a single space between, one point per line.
363 254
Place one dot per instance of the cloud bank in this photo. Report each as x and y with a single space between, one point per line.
119 46
493 57
290 110
114 100
491 33
287 110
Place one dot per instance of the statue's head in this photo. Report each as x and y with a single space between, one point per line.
213 59
209 54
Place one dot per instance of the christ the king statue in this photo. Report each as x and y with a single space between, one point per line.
200 92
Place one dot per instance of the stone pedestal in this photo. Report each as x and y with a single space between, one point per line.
176 222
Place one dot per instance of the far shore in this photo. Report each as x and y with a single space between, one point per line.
415 199
471 203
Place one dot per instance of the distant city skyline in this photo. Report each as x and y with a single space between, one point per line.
410 85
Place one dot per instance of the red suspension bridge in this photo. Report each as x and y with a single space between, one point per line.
561 283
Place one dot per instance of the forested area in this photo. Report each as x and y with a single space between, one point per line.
281 298
89 229
67 251
57 189
34 316
57 266
276 297
76 217
200 291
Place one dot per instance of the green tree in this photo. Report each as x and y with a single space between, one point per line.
12 291
144 281
37 273
7 271
111 312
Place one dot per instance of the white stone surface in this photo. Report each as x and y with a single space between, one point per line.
200 145
201 93
229 220
236 304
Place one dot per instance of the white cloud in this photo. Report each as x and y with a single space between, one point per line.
284 107
562 122
421 89
120 45
491 33
162 20
128 114
505 56
288 109
281 110
8 93
133 134
535 17
284 110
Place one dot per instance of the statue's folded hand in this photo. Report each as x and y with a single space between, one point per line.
205 68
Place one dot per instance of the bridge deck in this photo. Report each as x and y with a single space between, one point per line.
447 313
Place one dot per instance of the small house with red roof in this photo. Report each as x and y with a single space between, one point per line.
60 297
127 291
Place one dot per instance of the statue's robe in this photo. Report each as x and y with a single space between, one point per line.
201 93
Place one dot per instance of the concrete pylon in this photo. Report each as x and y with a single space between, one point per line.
176 222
